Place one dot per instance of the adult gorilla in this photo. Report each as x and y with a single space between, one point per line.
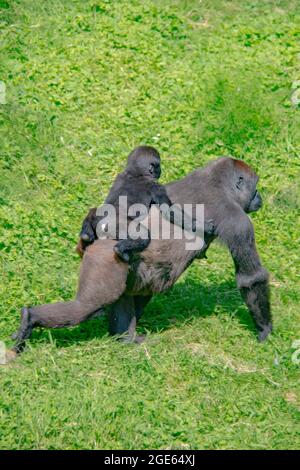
227 188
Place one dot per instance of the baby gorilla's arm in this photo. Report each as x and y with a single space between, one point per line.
176 215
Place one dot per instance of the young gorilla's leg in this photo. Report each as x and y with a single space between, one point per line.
124 248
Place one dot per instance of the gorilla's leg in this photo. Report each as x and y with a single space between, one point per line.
96 289
56 315
123 317
140 302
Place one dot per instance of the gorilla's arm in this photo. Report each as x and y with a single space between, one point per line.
172 212
252 278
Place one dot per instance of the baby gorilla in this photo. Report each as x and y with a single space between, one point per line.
138 183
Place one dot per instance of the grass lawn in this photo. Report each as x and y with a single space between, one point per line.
86 81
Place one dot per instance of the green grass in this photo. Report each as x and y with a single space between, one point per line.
86 81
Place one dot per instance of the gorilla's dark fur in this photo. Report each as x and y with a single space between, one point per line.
227 188
139 184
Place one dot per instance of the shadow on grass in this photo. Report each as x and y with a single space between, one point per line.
181 304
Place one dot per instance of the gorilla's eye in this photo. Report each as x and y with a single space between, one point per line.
151 168
240 182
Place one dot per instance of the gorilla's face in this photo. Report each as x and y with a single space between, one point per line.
149 166
255 203
144 161
246 193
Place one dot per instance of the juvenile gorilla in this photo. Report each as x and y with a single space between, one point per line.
138 183
227 188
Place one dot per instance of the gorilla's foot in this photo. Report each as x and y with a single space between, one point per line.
264 333
24 331
139 339
132 339
19 347
131 336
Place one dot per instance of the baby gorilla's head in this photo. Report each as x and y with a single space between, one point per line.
144 161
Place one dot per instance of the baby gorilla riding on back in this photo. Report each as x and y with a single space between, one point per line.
138 183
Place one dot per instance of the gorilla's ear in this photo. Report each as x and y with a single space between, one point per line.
240 182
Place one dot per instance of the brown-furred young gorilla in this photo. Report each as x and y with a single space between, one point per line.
227 188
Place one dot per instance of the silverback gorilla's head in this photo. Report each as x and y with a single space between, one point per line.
240 180
245 187
144 161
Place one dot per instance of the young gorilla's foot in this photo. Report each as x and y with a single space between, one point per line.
121 254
